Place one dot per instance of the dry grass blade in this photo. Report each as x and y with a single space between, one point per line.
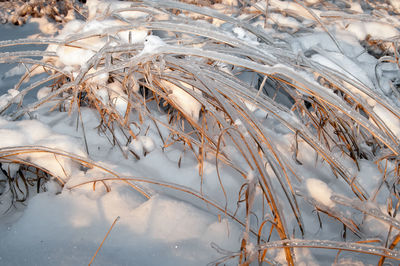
327 244
102 242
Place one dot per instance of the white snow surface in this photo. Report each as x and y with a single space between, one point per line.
188 104
320 192
162 227
375 29
390 120
36 134
76 223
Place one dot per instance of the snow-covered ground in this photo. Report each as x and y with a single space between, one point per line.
212 134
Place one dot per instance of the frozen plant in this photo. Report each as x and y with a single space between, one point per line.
286 110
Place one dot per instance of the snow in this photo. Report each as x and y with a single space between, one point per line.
350 69
141 145
98 8
376 29
147 143
346 66
320 191
285 21
322 40
390 120
292 7
102 95
14 94
151 43
117 97
99 79
15 71
395 4
80 51
35 133
136 146
45 26
188 104
71 56
71 27
165 225
245 36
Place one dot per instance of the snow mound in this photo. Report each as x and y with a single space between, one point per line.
186 102
96 32
36 134
320 192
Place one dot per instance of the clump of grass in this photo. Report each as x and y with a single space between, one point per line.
16 186
327 114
